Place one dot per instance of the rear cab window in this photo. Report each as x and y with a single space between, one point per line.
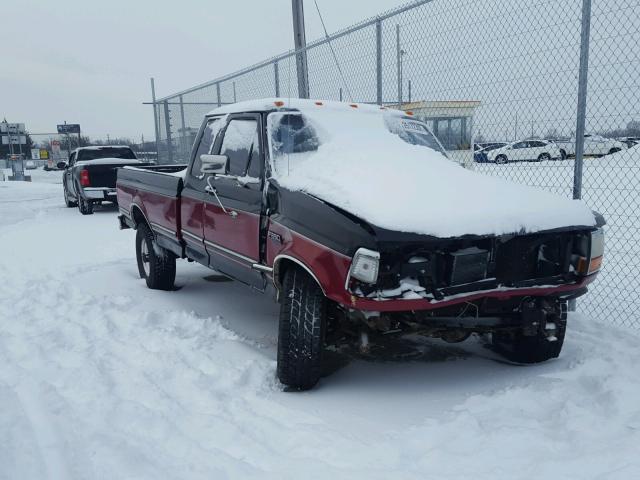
105 152
206 143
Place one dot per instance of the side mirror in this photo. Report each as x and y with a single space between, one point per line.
214 164
61 165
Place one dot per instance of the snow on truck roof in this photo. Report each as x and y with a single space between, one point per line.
267 104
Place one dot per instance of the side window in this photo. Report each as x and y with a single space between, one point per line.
520 145
238 142
206 142
255 161
537 144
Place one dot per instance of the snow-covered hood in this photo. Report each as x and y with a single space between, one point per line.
364 169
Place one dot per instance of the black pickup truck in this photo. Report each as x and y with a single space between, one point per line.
357 221
90 175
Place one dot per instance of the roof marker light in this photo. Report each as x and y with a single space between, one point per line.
409 113
279 103
353 105
319 103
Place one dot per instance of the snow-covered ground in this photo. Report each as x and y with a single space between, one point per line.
102 378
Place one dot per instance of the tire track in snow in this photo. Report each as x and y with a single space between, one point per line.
30 395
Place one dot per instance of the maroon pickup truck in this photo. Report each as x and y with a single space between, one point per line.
356 220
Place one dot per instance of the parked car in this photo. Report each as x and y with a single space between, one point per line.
90 175
356 220
630 141
480 156
30 165
525 150
594 146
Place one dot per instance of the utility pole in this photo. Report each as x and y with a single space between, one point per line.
300 44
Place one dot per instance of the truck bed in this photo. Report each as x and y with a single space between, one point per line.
154 192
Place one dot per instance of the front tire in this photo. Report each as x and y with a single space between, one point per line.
527 349
155 264
501 159
67 200
543 157
301 331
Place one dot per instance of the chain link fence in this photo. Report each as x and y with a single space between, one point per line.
502 75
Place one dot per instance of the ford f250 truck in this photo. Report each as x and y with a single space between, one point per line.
355 219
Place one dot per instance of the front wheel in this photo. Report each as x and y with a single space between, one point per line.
155 264
67 201
301 330
501 159
533 347
544 157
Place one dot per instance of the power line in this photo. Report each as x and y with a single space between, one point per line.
335 58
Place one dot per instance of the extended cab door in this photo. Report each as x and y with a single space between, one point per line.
233 204
193 194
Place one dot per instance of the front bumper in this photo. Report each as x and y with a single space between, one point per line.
565 292
100 193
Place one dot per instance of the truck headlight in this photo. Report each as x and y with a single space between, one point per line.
364 266
593 263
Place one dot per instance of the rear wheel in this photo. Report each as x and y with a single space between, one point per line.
563 154
501 159
543 343
301 330
85 206
156 265
543 157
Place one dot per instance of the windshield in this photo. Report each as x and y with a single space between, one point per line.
295 135
106 152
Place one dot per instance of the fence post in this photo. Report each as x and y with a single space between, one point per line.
399 65
167 124
581 112
379 62
183 133
155 116
218 94
582 97
276 78
300 43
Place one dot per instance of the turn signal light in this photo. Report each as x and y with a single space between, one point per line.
84 178
587 267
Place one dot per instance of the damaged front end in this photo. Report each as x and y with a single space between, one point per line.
439 269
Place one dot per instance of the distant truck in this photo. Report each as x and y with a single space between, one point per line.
594 146
90 175
356 219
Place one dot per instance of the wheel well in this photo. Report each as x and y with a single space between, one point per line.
280 266
138 217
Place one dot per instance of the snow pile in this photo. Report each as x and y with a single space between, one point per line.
362 167
101 377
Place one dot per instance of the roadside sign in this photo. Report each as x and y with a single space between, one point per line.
55 149
44 154
35 154
69 128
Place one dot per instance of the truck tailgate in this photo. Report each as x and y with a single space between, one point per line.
155 191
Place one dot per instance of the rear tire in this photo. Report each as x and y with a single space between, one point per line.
301 331
563 154
155 264
501 159
519 348
85 206
544 156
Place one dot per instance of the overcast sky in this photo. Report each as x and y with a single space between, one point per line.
89 62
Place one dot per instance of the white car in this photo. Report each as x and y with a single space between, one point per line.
525 150
594 146
30 165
